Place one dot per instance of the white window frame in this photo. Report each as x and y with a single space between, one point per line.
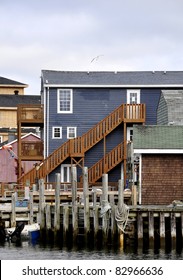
129 134
75 132
70 111
1 139
53 132
133 91
68 167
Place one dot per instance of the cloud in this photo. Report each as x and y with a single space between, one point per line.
67 35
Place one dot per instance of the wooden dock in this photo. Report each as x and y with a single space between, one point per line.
95 215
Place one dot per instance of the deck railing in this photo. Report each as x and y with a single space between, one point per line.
79 145
30 113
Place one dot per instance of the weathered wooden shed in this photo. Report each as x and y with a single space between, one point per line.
160 153
7 162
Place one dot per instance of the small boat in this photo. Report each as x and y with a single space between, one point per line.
22 231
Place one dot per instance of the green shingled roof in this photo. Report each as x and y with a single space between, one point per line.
157 137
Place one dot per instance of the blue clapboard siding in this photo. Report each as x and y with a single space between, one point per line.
90 106
150 97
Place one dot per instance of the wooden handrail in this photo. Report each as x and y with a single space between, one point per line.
107 163
78 146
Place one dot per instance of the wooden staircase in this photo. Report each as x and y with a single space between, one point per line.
78 146
107 163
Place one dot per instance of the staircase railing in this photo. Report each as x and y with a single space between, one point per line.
107 163
78 146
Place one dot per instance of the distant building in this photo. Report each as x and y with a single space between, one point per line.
7 162
12 94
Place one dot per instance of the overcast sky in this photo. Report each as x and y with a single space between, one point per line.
127 35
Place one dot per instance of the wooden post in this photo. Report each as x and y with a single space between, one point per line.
134 195
74 201
41 203
57 203
95 214
113 221
162 226
13 212
173 229
140 228
105 216
65 222
182 223
31 207
86 201
120 205
48 217
151 229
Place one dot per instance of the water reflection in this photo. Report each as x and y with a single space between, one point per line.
56 250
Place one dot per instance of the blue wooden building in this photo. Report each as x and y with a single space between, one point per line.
89 117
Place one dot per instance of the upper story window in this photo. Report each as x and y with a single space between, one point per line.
71 132
133 96
64 101
56 132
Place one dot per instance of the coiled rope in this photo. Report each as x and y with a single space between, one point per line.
121 216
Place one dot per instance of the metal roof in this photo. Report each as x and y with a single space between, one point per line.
157 137
115 79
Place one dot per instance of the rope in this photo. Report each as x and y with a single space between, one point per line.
121 216
105 207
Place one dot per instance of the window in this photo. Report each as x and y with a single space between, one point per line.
57 132
64 101
71 132
65 173
133 96
129 133
1 139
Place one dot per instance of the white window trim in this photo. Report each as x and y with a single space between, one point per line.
1 139
53 132
71 102
129 129
68 166
133 91
75 132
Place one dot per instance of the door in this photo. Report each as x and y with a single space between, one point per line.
133 97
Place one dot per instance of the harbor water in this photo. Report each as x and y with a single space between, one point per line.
27 250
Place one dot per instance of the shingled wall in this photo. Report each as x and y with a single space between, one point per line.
162 179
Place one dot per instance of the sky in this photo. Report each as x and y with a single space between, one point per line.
88 35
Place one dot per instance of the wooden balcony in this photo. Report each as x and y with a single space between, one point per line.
30 115
32 150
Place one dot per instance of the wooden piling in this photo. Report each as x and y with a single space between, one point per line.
182 223
86 201
74 201
105 215
134 195
139 228
48 217
151 229
173 229
31 207
162 229
13 212
120 205
65 222
57 203
41 204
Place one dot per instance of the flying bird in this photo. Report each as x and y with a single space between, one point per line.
96 58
